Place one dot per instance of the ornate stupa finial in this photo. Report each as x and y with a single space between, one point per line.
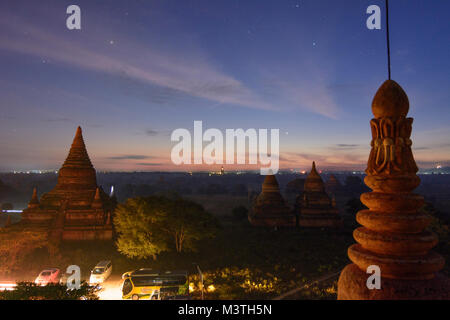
393 235
390 101
34 202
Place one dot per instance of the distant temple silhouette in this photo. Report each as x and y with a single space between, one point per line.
77 208
315 208
270 209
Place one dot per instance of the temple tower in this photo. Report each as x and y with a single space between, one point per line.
77 208
315 207
270 209
393 235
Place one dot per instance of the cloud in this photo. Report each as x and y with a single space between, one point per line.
432 164
130 157
8 117
343 145
340 160
312 95
151 132
149 164
57 120
177 70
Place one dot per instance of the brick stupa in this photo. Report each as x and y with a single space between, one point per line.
393 235
270 209
315 207
77 208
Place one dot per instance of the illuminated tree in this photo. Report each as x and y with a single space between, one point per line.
148 226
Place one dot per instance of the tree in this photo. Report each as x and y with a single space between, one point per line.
15 244
136 222
187 223
150 225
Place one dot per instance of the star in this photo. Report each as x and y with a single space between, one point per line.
111 42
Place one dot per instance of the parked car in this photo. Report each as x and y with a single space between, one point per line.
101 272
48 276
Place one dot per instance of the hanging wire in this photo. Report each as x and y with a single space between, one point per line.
387 39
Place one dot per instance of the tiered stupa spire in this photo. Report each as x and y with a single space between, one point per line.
393 235
34 202
97 203
313 181
77 168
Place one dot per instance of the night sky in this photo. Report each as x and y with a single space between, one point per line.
139 69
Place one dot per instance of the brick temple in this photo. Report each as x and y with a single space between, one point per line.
315 207
270 209
77 208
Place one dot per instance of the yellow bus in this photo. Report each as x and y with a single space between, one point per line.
151 284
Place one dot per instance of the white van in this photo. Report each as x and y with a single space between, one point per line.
101 272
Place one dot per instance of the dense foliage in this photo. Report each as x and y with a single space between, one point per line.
31 291
15 244
150 225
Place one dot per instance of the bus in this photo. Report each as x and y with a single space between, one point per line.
155 285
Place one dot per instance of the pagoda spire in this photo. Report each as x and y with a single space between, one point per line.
34 202
97 203
313 181
78 155
313 169
77 169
